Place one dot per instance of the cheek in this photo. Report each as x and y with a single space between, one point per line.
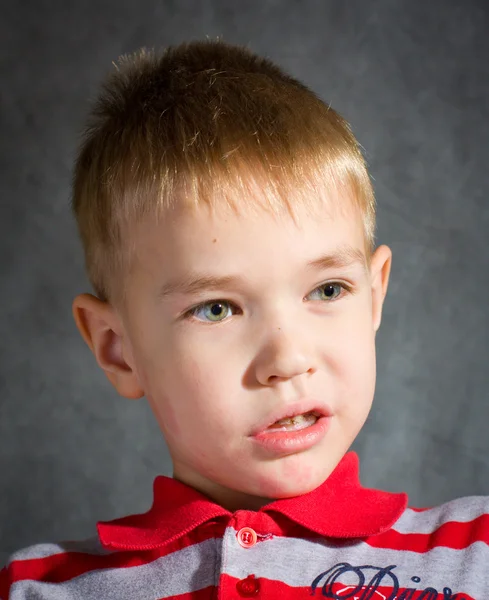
167 416
357 352
186 393
159 392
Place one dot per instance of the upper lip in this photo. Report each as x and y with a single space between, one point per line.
293 409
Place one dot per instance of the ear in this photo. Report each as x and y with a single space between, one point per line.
380 268
103 332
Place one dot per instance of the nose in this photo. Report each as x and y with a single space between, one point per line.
286 355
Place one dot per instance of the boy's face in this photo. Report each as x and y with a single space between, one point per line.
285 332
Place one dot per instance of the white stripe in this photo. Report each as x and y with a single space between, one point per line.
185 570
89 546
461 510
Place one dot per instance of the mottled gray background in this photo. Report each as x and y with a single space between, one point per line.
412 77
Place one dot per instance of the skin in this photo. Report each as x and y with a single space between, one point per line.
280 338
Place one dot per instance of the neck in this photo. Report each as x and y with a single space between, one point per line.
231 500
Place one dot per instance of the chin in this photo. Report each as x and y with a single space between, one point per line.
292 481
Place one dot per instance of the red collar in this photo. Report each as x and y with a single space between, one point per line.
338 508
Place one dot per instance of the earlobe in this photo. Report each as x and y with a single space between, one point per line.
380 272
102 331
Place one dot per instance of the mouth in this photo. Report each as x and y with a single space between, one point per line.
296 417
295 423
300 427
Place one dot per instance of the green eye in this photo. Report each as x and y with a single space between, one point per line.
216 311
327 291
212 311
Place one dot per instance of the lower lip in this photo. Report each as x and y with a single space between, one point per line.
288 442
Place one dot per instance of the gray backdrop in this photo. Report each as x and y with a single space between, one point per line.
412 76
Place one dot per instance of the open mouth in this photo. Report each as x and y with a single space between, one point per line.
295 423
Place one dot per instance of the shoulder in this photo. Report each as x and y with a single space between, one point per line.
30 570
461 515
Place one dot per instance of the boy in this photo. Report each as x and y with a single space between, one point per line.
227 219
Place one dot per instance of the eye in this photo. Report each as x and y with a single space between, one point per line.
328 291
212 312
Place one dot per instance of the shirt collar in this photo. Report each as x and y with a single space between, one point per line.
339 508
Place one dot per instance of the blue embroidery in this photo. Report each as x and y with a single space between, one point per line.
363 590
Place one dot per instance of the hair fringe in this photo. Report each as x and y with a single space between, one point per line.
203 122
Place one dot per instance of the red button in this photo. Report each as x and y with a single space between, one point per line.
248 587
246 537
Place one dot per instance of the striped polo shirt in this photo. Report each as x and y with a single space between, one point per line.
339 541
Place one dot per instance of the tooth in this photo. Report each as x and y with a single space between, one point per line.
287 421
297 420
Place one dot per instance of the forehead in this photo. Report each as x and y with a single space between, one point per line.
246 236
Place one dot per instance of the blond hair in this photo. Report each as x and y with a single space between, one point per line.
197 124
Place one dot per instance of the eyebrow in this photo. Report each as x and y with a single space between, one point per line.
344 257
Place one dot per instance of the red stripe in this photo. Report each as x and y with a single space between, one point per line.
454 535
4 584
67 565
269 589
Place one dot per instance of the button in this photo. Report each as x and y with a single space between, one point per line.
246 537
248 587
